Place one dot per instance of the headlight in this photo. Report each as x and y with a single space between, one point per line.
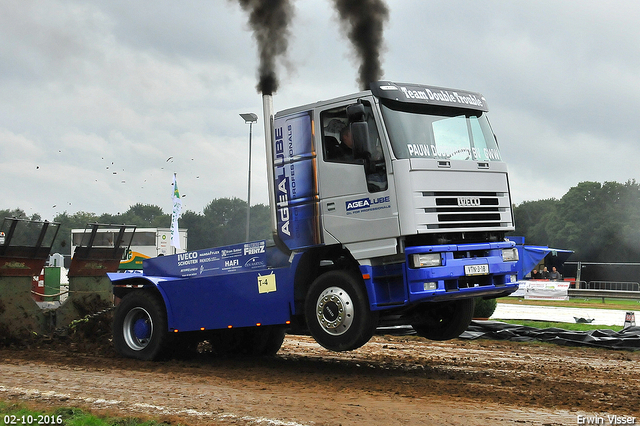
510 255
425 260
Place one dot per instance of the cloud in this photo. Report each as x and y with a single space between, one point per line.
84 84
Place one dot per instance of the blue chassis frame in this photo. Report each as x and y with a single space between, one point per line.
212 302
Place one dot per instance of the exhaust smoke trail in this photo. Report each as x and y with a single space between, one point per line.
365 20
269 20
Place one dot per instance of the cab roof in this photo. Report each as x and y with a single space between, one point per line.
408 93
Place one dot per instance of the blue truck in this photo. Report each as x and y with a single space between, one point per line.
388 207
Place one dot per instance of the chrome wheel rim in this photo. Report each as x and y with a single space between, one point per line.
137 328
334 311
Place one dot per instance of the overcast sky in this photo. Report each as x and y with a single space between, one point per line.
102 101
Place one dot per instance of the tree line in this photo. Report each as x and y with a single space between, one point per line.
600 222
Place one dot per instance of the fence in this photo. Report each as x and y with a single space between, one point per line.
608 285
603 294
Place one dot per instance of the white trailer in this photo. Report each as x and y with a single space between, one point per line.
145 243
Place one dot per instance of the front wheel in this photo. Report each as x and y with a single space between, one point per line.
140 326
443 320
337 311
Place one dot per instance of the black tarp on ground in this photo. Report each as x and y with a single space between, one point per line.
629 338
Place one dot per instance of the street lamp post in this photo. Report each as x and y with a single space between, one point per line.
249 118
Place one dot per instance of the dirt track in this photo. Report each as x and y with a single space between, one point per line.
391 380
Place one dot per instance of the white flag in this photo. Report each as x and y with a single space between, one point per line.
175 214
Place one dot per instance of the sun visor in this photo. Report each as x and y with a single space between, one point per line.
429 95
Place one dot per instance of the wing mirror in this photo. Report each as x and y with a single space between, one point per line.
362 144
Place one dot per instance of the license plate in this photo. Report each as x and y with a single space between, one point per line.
476 269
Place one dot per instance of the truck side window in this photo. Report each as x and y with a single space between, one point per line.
334 122
337 145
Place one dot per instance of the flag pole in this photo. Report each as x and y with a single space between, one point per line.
175 214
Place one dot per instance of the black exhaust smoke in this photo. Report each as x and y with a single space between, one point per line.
269 20
365 20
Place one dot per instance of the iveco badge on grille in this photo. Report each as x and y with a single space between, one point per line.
468 201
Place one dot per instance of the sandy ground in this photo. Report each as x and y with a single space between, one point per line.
391 380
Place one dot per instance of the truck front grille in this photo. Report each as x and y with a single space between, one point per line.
449 210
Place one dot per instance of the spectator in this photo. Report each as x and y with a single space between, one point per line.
545 273
555 275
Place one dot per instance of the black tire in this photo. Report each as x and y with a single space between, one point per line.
227 343
444 320
262 341
273 342
337 311
252 341
182 345
140 326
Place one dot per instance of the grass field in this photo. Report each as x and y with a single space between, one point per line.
13 413
563 325
620 304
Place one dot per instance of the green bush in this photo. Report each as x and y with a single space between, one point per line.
484 307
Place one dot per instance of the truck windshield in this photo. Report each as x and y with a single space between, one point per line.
424 131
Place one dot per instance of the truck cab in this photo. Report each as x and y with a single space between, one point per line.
418 205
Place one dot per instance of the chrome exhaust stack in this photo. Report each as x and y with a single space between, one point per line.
267 109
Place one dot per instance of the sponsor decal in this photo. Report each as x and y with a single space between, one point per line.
443 96
188 258
254 262
431 151
295 180
283 206
231 251
367 204
188 272
217 261
254 248
231 263
282 197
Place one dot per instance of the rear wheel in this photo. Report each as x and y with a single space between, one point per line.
273 342
263 341
252 341
140 326
444 320
337 311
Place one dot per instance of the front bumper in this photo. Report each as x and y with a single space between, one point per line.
467 270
